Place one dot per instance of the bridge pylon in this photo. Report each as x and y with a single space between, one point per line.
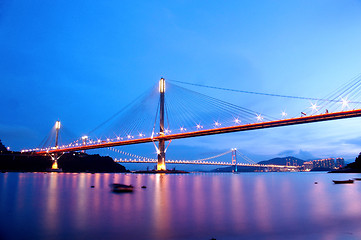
161 147
55 156
234 159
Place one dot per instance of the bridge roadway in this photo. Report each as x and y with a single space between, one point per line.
236 128
203 163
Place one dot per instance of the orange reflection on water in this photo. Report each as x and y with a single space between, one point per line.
237 201
199 200
288 200
161 208
217 202
350 195
51 219
320 204
262 207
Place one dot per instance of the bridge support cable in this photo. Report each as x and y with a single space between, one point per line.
122 110
132 121
207 112
348 93
167 146
209 158
131 154
347 85
47 141
341 98
247 159
220 106
345 90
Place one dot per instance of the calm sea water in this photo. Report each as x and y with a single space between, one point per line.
191 206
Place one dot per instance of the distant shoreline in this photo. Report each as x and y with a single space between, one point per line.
69 162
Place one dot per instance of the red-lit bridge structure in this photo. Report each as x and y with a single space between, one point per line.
336 106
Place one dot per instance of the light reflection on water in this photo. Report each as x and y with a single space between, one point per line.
191 206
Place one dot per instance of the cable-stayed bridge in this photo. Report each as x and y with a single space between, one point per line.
159 118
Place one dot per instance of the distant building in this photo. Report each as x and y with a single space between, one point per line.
340 163
308 165
324 163
291 162
329 163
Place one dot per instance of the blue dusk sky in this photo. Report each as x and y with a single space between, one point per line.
82 61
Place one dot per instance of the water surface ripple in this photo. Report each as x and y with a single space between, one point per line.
191 206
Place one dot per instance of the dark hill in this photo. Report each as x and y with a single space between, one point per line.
292 161
354 167
69 162
19 162
2 147
82 162
356 164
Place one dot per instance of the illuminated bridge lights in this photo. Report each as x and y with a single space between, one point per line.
314 107
259 118
217 124
212 131
344 103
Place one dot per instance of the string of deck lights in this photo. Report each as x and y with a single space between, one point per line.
178 160
314 107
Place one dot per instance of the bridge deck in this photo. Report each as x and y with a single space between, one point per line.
237 128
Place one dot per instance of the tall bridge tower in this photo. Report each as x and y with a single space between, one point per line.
234 159
55 157
161 146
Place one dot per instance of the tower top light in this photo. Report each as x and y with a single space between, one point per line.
57 125
162 85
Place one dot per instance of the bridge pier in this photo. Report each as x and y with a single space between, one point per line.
54 166
161 147
161 157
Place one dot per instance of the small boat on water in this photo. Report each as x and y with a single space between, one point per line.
342 181
117 187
